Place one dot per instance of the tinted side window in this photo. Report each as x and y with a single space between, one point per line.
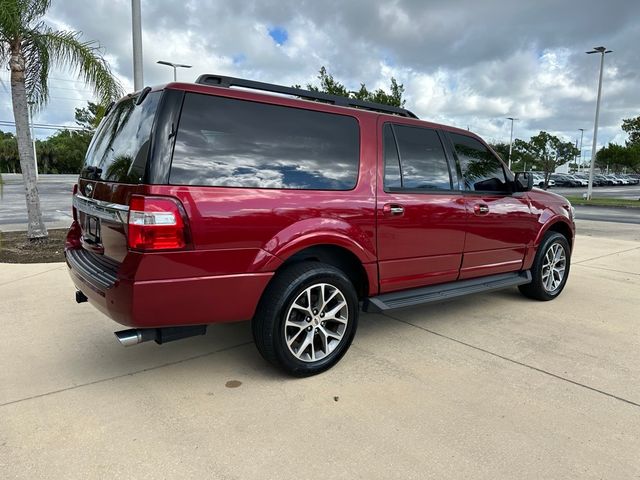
481 170
422 159
237 143
392 176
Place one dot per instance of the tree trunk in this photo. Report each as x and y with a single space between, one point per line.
36 227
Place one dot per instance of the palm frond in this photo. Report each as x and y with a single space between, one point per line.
37 63
65 50
32 10
16 17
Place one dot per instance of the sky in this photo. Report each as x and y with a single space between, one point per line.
467 63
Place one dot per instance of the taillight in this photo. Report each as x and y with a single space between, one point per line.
74 212
156 223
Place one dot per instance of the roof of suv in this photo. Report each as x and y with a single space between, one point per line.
294 97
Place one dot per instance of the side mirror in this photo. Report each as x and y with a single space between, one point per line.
523 182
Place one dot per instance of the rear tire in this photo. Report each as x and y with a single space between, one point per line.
306 319
550 268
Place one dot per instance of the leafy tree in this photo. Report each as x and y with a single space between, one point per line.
89 118
619 158
330 85
63 152
502 149
632 127
29 47
547 152
9 159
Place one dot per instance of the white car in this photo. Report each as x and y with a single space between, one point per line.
538 181
582 181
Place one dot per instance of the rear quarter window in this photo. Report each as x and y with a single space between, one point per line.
237 143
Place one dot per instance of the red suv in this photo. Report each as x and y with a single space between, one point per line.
201 203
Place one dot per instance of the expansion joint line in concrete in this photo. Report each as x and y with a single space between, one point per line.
516 362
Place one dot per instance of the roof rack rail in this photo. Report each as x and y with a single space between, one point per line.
222 81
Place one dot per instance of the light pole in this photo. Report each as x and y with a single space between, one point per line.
511 139
581 135
33 138
136 30
602 51
175 67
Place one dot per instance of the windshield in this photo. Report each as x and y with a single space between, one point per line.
120 146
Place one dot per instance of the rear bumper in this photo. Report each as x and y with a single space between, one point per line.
170 302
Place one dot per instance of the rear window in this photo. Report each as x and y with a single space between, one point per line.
120 146
237 143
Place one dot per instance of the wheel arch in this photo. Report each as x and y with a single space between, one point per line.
337 256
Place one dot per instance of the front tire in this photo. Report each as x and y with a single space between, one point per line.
550 268
306 319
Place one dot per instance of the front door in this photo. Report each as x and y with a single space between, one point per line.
420 211
500 225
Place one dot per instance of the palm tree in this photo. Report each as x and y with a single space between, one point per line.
30 48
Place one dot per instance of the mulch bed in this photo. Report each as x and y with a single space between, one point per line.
15 247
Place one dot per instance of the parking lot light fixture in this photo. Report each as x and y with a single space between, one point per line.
175 67
602 51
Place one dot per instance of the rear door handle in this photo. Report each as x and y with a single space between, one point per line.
393 209
481 209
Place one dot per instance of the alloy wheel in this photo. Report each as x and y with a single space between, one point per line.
553 267
316 322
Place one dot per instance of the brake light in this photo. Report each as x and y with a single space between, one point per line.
156 223
74 212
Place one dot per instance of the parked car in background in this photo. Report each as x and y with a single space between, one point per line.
538 180
631 180
564 180
581 182
613 179
600 180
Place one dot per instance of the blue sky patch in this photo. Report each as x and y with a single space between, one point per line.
238 58
279 35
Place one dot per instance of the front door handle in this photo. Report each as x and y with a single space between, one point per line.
481 209
393 209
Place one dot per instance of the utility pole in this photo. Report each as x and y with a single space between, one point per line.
33 138
511 139
602 51
136 29
581 135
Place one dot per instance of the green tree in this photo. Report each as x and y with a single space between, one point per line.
89 118
619 158
547 152
63 152
29 47
9 159
632 127
330 85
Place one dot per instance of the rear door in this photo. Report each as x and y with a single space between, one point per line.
500 224
420 213
114 168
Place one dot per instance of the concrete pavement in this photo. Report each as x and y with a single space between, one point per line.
489 386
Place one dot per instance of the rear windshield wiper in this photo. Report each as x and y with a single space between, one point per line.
93 172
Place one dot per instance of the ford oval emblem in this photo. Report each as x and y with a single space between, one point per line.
88 190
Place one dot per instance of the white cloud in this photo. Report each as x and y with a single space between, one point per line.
465 63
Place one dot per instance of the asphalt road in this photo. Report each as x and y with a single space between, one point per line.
55 196
55 201
488 387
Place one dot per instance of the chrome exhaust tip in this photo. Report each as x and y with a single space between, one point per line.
135 336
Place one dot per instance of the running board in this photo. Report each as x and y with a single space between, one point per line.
446 291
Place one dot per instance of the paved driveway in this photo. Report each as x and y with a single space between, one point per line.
490 386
